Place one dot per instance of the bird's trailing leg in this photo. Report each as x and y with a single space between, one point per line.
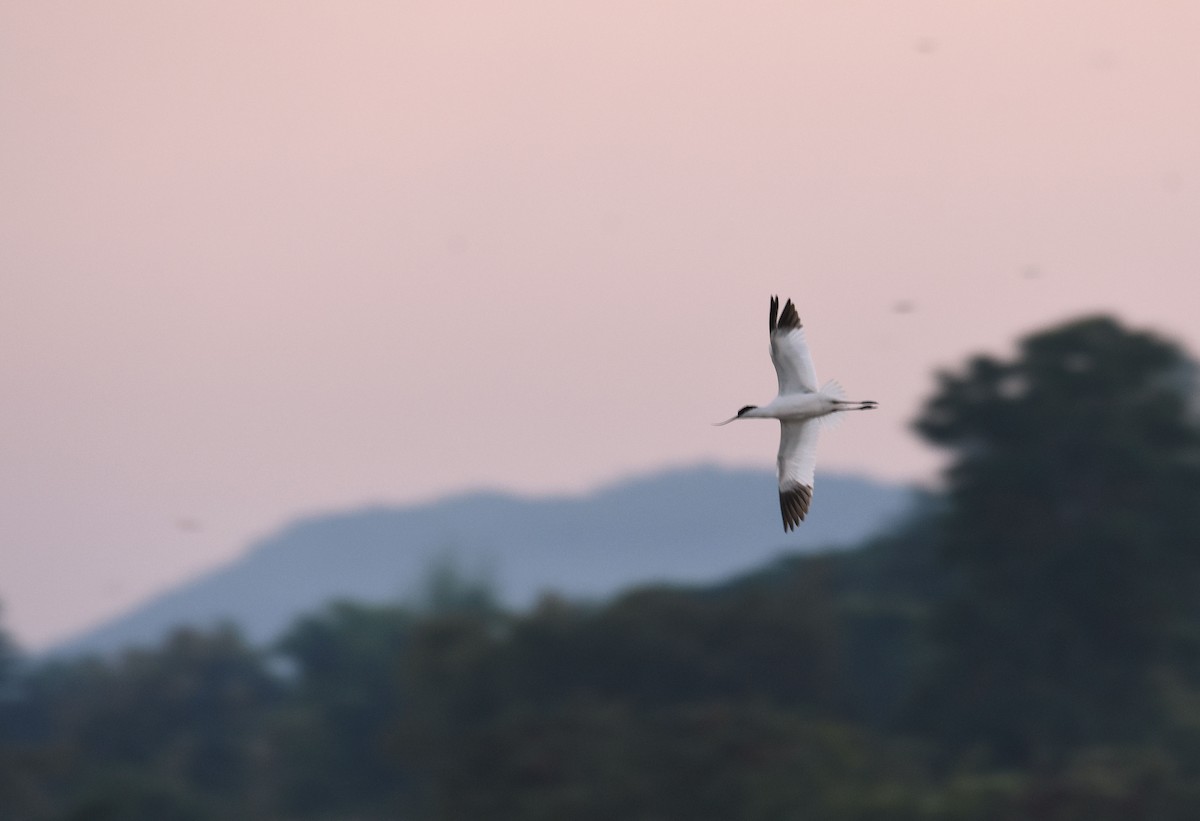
867 404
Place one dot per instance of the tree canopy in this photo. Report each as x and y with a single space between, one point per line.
1073 512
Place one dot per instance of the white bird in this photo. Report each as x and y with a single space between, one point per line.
798 407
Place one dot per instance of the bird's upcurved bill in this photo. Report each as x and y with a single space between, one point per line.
726 422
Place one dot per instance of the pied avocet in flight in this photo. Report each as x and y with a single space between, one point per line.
799 407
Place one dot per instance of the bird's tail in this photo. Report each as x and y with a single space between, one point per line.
833 390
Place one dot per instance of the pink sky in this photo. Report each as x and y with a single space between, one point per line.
267 258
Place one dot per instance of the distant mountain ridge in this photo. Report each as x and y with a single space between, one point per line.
693 525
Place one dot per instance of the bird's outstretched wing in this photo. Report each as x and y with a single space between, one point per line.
797 462
789 350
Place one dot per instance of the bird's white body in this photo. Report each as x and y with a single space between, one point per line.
798 406
795 407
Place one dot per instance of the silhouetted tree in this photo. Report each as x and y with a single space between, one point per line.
169 732
1073 531
334 735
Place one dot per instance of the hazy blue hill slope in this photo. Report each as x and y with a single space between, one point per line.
689 525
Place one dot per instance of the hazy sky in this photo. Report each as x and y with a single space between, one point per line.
261 259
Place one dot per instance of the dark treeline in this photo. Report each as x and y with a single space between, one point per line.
1026 646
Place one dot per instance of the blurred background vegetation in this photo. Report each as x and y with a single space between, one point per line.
1025 646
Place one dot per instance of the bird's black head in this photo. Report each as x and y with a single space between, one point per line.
747 408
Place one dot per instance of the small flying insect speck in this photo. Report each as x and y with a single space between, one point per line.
798 407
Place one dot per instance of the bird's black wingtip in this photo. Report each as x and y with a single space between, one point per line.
793 504
789 319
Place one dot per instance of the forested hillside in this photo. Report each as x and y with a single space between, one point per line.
1026 646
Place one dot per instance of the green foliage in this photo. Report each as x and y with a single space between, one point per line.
662 645
588 758
667 703
1073 531
331 737
166 733
448 588
126 794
